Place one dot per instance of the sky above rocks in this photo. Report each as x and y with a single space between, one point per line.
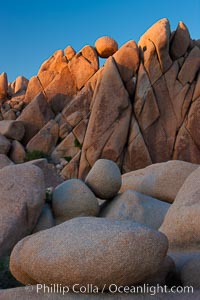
32 30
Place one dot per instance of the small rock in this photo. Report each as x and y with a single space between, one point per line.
73 198
17 152
106 46
104 179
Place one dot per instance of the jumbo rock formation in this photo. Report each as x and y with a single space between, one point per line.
141 107
100 166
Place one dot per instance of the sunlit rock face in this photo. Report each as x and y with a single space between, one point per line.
141 107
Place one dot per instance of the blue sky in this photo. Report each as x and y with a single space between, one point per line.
32 30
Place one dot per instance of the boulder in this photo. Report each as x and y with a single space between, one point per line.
17 152
21 84
53 66
66 149
104 179
69 52
78 109
181 95
127 60
70 170
164 275
106 139
45 220
5 161
3 85
91 55
33 89
21 199
9 115
83 68
106 46
196 94
190 67
45 140
35 116
80 130
181 224
61 89
12 129
155 116
159 34
161 181
71 199
109 247
190 273
136 154
150 59
131 205
4 144
180 41
185 147
51 178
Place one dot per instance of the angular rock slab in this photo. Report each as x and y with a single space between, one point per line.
92 250
108 125
21 199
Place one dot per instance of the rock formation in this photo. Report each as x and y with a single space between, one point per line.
140 108
67 135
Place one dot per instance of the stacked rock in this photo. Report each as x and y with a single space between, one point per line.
85 248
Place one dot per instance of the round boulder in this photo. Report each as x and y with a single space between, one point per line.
89 250
104 179
106 46
73 198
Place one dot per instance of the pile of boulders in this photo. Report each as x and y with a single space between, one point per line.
140 107
142 227
66 135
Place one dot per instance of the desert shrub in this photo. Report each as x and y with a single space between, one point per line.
36 154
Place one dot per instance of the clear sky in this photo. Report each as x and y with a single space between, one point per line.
31 30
